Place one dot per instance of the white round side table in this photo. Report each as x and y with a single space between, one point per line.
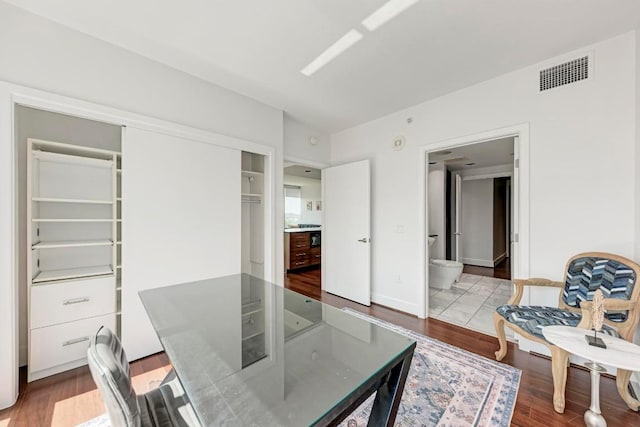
619 353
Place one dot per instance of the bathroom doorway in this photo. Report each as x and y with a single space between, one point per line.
470 224
302 228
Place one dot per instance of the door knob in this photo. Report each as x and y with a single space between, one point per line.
363 240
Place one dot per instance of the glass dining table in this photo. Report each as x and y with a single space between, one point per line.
248 352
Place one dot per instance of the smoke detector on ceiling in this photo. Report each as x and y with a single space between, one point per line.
399 142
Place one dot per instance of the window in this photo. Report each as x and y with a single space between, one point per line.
292 206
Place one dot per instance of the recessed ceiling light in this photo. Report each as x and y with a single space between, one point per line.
345 42
307 171
469 164
386 12
442 153
433 163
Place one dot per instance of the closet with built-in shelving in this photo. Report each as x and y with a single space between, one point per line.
73 215
253 313
106 211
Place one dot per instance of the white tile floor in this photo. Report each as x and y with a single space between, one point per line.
471 302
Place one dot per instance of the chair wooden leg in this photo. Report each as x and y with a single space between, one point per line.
559 360
622 381
498 323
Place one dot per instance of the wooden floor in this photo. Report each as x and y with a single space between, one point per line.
500 271
533 406
70 398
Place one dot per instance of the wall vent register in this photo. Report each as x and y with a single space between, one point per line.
564 74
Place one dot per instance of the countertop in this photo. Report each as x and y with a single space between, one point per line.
301 230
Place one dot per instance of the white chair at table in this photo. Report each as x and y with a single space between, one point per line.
166 405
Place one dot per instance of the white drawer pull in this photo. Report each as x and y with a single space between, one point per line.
76 300
75 341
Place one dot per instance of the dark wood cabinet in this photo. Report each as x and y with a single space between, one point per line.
298 251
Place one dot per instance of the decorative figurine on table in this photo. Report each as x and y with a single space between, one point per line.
597 317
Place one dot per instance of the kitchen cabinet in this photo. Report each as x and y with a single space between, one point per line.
301 249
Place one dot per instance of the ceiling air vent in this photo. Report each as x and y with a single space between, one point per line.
563 74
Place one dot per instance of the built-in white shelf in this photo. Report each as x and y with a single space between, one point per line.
254 332
118 266
72 273
71 243
251 195
72 220
252 308
79 150
252 173
118 199
119 170
77 201
72 159
119 242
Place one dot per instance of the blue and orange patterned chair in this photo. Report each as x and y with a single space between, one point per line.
616 276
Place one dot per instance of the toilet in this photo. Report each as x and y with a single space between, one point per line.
443 273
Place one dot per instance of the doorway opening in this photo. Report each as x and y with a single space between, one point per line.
472 212
302 228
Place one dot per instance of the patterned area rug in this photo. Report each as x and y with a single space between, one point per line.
448 386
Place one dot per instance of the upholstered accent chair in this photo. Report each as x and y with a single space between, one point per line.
614 275
165 406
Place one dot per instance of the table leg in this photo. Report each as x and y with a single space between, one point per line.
593 417
387 400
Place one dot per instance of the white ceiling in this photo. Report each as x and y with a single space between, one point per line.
486 154
306 174
258 47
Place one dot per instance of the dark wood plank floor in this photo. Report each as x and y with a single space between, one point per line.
534 405
500 271
70 398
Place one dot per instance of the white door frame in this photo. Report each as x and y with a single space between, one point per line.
12 95
520 260
280 202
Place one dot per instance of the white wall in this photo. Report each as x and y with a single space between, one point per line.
437 210
311 192
40 54
44 55
297 146
581 148
477 222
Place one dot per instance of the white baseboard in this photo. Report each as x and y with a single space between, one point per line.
478 262
396 304
497 260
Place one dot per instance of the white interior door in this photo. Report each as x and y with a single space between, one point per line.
346 247
458 228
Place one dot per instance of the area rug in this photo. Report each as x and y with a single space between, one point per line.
448 386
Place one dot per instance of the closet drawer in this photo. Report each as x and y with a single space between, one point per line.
60 344
74 300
